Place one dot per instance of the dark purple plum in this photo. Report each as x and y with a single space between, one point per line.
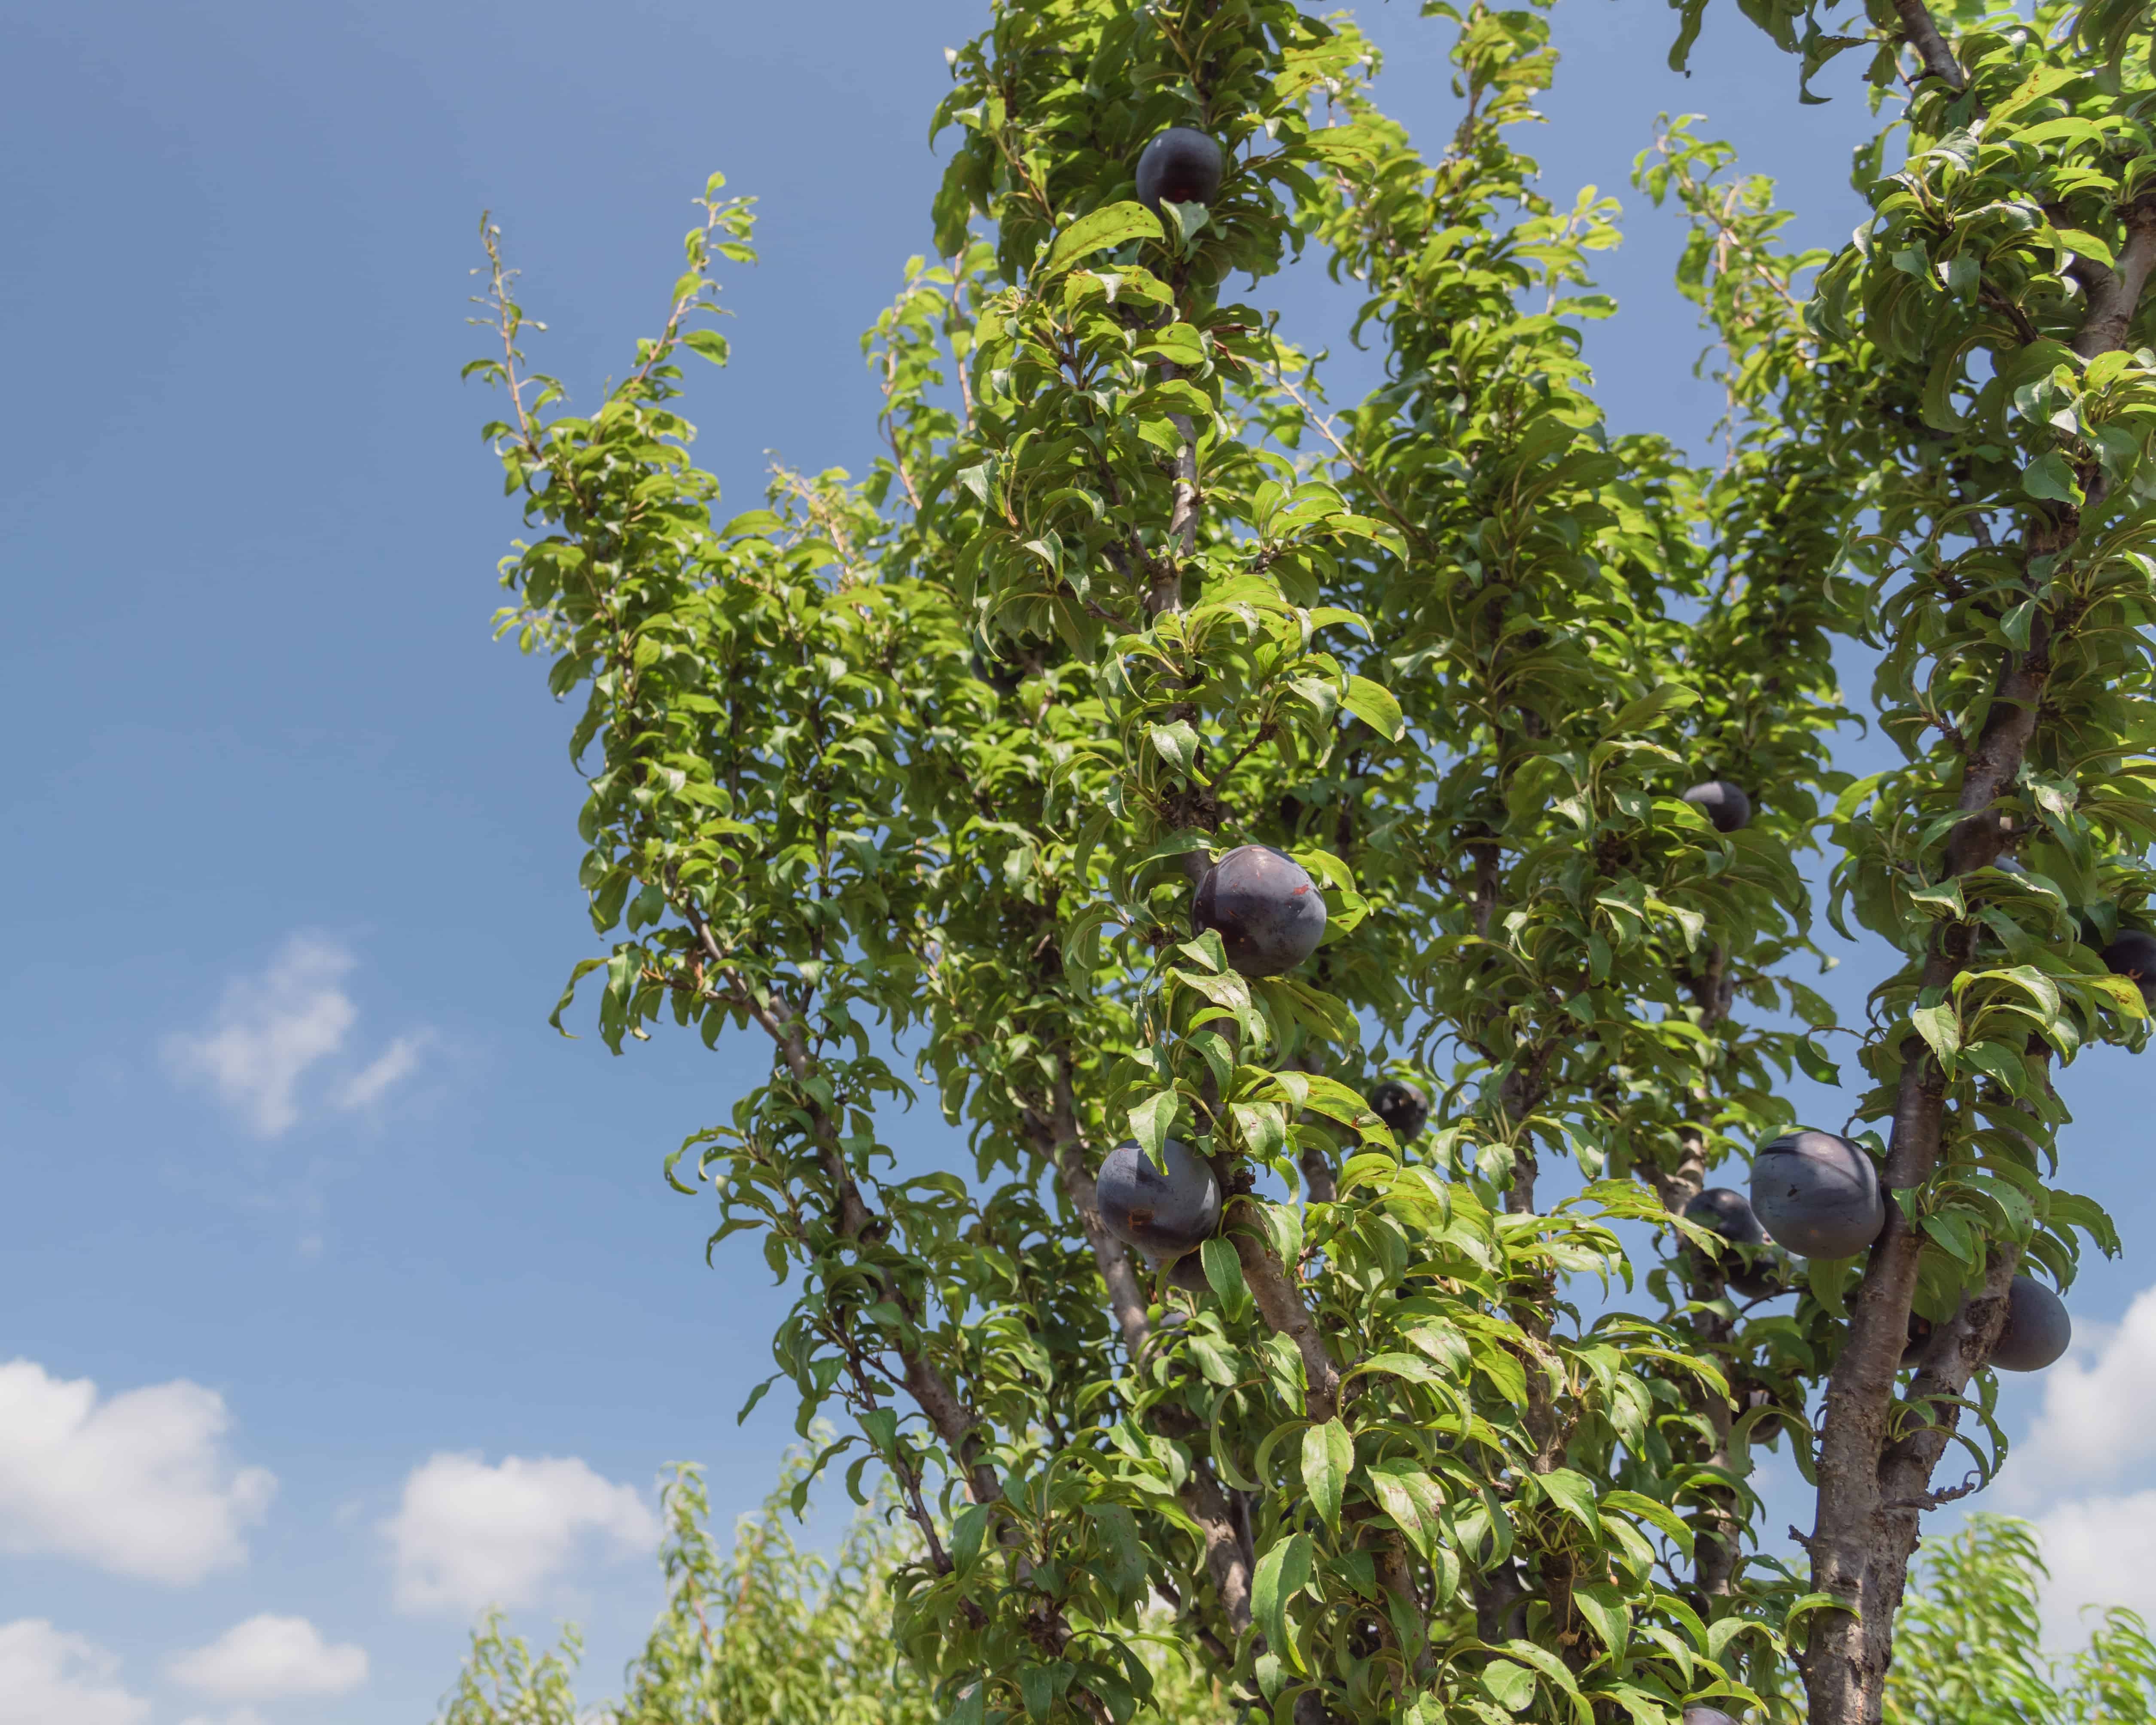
1268 912
1818 1196
1726 1213
1697 1714
1403 1107
1723 803
2133 955
1754 1274
1187 1273
1167 1213
2037 1327
1181 166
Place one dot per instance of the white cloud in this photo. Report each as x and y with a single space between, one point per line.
388 1068
140 1484
47 1677
269 1029
2099 1412
466 1535
269 1657
241 1716
2101 1551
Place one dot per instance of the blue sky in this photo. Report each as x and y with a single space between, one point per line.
338 1291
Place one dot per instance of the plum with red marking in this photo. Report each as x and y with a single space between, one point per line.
1165 1212
1268 912
1181 166
1818 1194
1722 803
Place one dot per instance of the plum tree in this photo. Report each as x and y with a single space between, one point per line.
932 762
1263 906
2038 1330
1167 1211
1179 165
1403 1107
1983 1589
1722 803
1817 1195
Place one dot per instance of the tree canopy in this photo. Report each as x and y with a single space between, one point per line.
923 771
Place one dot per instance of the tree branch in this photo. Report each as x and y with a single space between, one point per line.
1922 33
1058 1141
2115 295
1279 1302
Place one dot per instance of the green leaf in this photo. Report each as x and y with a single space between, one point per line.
1829 1278
1940 1026
1178 745
1603 1608
1390 1483
1179 344
2051 476
1660 1515
969 1530
1223 1273
709 343
1150 1120
1374 704
1512 1687
1328 1456
969 1705
1571 1492
1666 697
1126 1568
1111 225
1814 1064
1283 1571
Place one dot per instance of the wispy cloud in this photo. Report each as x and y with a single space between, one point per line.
268 1657
466 1535
139 1484
2099 1412
272 1028
48 1675
2101 1551
390 1068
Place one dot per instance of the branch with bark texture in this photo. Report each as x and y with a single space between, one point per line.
1920 31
